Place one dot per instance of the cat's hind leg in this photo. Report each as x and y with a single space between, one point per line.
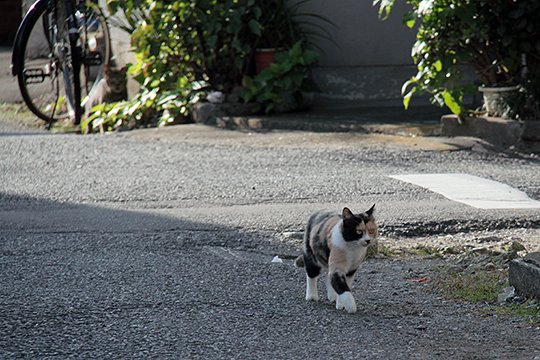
312 273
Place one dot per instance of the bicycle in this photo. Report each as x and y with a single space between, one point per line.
59 53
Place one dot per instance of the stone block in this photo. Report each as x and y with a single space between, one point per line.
206 113
225 115
531 130
524 275
500 132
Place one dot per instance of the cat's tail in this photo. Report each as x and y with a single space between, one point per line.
299 262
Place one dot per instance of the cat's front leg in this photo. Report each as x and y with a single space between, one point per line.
345 299
330 292
311 289
350 278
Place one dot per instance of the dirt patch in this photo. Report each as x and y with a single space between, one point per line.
479 242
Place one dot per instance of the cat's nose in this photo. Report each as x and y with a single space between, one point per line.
368 241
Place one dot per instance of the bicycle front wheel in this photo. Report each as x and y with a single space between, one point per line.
56 74
38 69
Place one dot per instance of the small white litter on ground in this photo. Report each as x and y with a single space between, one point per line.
277 259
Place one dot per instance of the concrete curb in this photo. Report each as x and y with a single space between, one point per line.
501 133
364 120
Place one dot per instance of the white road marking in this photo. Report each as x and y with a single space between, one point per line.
473 190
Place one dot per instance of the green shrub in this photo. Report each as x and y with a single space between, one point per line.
184 49
493 37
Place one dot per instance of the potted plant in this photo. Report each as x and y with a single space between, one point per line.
276 32
515 31
283 55
512 29
490 37
280 24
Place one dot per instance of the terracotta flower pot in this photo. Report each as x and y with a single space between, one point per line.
264 58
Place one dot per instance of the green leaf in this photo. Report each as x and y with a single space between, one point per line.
516 13
212 40
247 81
407 98
451 102
409 19
257 12
385 6
407 83
296 50
255 27
310 57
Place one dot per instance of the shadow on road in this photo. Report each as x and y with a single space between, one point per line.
90 281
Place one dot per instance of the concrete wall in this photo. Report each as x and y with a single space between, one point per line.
371 58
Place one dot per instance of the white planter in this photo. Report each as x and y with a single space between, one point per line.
498 100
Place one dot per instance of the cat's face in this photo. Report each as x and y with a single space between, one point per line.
359 227
116 79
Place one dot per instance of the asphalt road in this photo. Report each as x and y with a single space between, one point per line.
158 244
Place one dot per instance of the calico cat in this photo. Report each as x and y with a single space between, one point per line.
111 88
338 243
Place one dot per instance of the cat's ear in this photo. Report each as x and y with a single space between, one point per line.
371 211
347 214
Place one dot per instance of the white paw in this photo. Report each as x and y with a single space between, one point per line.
346 301
312 297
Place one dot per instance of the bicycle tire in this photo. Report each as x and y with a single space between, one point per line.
21 42
48 100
